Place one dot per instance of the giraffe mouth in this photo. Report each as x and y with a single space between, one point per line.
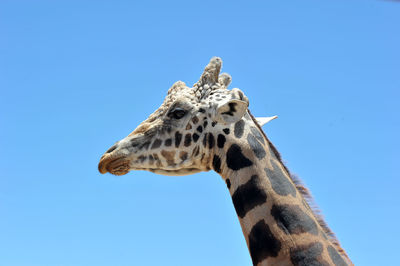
115 166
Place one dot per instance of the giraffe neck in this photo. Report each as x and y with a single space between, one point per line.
278 224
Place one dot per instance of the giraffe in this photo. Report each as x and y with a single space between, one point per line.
208 127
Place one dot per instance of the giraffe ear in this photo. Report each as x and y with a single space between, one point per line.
263 120
231 111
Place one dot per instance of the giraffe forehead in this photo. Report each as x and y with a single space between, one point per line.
185 96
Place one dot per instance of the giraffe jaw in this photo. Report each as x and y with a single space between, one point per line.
178 172
123 170
181 172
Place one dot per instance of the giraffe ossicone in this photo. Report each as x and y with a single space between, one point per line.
208 127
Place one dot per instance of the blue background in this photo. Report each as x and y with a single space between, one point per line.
76 76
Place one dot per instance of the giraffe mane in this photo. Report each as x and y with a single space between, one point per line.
309 200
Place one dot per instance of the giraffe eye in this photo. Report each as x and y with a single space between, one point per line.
177 113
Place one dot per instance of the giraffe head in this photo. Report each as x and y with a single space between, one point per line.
178 138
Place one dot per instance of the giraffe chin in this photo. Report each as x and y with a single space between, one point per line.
119 171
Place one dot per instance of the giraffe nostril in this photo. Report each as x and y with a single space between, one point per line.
112 148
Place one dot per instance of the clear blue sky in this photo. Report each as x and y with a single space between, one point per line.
76 76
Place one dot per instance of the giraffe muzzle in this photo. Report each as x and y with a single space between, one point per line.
114 165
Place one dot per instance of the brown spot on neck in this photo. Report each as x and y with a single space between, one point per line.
170 156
